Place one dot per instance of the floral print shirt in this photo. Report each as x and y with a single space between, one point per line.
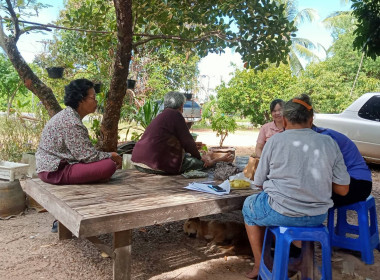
65 138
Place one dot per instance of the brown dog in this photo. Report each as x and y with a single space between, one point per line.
215 231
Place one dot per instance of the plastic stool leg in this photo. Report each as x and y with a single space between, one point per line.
326 258
364 236
281 257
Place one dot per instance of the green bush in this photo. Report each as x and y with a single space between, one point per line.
223 124
18 136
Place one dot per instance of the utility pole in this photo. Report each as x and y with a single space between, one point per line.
208 86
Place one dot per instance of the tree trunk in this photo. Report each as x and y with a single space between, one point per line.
31 81
109 127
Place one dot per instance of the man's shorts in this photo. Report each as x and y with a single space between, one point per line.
257 211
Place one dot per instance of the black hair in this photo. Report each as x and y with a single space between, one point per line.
76 91
275 102
298 113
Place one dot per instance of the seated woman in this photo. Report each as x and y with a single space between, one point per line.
361 178
65 153
167 147
298 170
270 129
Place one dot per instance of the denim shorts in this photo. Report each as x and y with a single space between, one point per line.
256 211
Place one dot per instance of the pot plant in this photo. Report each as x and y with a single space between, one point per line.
131 84
143 116
54 65
222 124
55 72
188 96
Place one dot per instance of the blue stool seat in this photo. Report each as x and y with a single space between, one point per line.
280 263
367 232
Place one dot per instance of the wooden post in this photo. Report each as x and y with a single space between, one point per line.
122 246
63 232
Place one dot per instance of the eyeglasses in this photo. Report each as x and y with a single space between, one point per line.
92 97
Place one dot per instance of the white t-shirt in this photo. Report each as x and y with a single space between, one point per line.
297 168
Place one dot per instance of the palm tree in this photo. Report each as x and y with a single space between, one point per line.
301 47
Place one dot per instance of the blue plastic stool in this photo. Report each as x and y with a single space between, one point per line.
284 236
367 231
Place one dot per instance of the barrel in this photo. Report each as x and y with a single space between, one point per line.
12 198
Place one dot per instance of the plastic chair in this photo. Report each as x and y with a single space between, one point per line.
367 233
280 263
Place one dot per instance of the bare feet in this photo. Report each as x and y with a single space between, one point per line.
227 158
209 161
253 274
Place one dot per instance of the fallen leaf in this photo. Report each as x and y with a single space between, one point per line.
47 245
104 255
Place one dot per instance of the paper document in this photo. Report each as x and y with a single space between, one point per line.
205 188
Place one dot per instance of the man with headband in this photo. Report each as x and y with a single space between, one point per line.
298 170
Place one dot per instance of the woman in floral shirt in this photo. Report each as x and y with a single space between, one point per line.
65 153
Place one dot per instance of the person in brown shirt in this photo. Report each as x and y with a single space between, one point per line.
167 147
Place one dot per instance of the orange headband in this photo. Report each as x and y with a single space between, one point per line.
303 103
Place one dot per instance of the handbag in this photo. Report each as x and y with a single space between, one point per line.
250 168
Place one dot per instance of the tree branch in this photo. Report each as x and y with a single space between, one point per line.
150 36
66 28
2 34
14 20
178 38
31 28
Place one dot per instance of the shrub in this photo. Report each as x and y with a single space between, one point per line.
18 136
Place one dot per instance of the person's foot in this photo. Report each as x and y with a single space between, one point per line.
294 251
54 228
229 157
252 274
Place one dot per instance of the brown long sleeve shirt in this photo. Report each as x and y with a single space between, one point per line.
162 144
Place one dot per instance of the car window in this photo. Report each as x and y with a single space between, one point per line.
371 109
191 104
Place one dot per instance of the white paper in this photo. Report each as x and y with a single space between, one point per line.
204 188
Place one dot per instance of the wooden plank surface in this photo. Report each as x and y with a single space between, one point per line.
129 200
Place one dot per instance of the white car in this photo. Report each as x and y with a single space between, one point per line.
192 111
360 122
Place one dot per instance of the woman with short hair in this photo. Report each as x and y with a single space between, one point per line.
65 154
271 128
298 170
163 147
167 147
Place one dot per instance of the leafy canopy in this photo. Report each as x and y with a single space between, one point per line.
258 29
367 13
249 94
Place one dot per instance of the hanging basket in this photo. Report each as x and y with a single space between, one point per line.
188 96
55 72
97 87
131 84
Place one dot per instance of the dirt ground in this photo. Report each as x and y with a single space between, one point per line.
30 251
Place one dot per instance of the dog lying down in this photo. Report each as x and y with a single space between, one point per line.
220 233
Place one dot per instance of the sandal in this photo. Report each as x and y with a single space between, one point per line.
54 228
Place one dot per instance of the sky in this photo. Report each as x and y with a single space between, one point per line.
214 68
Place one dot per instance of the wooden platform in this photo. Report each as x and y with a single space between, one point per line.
129 200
